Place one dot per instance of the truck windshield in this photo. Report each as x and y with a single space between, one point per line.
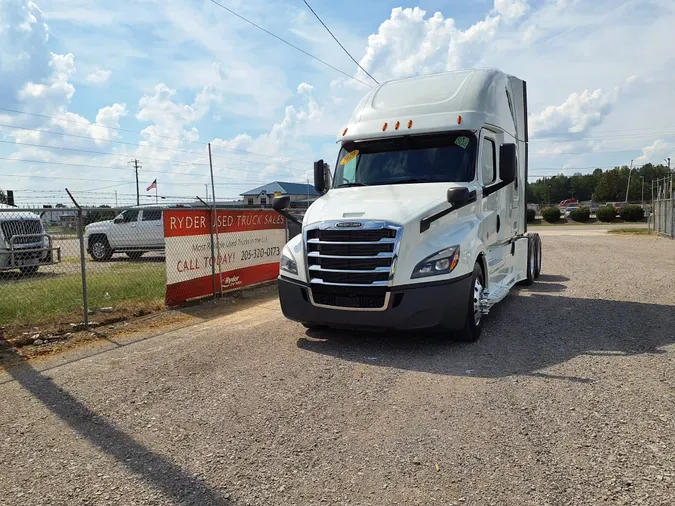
409 159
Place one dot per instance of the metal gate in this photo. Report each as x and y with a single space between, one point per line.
663 217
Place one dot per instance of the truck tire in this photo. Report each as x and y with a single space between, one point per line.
99 249
473 324
531 262
537 258
29 270
135 255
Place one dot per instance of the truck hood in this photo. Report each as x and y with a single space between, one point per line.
394 203
98 225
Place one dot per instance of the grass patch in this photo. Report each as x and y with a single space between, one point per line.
631 231
51 298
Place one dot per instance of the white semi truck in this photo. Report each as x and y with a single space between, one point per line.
423 222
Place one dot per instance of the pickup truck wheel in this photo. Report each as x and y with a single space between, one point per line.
99 249
29 270
135 255
473 324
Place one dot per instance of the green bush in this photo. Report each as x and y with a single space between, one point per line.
531 215
581 215
606 213
631 213
550 214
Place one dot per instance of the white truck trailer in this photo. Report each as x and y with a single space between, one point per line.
423 222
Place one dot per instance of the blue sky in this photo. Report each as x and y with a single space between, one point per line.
158 80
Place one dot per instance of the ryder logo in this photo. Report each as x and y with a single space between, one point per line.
231 281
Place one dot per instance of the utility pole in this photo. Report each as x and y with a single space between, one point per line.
629 172
137 166
643 189
115 198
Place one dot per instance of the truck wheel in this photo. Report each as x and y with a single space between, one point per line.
531 262
473 324
29 270
537 261
135 255
99 249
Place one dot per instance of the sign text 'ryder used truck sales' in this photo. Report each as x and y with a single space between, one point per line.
247 249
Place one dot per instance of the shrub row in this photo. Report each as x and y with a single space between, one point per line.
605 214
550 214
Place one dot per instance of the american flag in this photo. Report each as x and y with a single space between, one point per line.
153 185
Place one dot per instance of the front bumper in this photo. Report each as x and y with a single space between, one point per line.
442 305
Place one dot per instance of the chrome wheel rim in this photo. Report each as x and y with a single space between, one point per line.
477 290
98 250
532 260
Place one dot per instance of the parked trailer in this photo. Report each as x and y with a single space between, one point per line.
423 225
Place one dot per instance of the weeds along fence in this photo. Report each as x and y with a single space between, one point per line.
85 265
663 217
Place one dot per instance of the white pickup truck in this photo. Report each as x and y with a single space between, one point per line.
24 242
134 231
423 224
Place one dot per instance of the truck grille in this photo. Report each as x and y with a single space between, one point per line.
10 228
351 268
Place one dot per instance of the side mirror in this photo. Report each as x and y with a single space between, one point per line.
460 196
319 177
508 163
281 203
118 220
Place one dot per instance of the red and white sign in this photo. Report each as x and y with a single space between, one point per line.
247 249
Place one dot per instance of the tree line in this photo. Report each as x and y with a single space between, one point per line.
600 186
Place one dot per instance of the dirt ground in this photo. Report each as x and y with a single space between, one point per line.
568 398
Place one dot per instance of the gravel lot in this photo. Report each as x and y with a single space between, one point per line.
567 399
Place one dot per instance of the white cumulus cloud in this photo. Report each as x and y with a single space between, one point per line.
511 10
100 76
657 152
305 88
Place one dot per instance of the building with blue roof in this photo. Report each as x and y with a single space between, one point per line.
264 195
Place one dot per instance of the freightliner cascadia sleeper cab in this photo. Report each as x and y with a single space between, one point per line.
422 224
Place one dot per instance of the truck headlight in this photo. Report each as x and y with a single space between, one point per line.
287 262
441 262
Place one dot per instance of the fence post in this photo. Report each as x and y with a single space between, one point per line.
213 252
83 265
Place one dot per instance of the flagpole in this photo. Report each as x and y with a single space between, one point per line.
156 197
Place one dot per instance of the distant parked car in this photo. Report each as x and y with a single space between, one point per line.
566 212
134 232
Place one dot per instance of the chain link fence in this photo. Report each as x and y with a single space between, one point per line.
663 216
87 264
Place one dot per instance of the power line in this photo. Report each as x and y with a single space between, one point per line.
338 42
119 168
287 43
274 157
560 137
166 160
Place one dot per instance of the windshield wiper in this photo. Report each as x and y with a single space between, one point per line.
349 185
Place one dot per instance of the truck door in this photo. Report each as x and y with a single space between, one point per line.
495 207
151 229
124 231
